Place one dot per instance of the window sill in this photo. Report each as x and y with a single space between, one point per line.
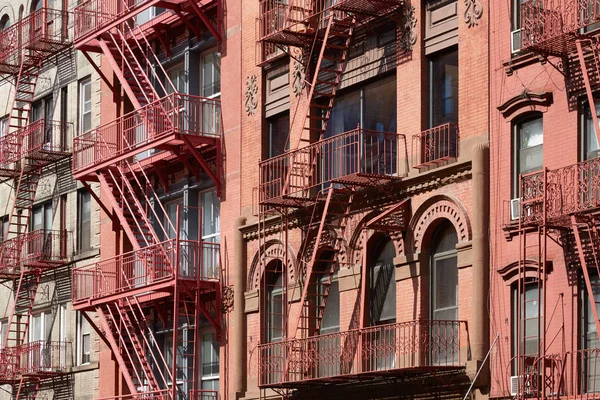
85 367
86 254
521 61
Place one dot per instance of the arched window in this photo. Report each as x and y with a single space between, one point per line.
382 284
37 5
274 303
4 22
327 295
444 295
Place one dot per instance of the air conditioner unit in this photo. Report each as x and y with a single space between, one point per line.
532 384
515 209
515 41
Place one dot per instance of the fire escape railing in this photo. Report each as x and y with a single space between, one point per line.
166 394
37 358
568 190
435 145
173 114
359 151
40 248
42 141
172 259
44 30
424 344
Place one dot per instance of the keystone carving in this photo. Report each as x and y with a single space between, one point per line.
473 12
409 34
298 76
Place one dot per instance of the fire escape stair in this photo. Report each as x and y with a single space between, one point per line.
587 239
333 216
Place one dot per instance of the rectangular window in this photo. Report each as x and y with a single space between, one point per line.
589 142
85 105
443 88
589 338
84 220
211 74
210 362
83 339
278 130
3 333
211 232
41 217
3 126
528 145
178 77
4 231
527 324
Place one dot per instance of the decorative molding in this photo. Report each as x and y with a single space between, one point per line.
298 74
227 299
409 34
251 103
271 250
432 210
530 269
525 100
473 12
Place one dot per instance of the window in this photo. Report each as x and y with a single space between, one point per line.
41 217
4 22
330 320
373 107
40 331
528 145
83 339
4 231
589 142
210 362
211 74
169 359
275 293
278 130
85 105
443 88
84 220
177 76
382 285
3 126
444 291
589 337
148 14
526 312
211 232
3 333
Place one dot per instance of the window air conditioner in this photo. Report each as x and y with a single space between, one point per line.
517 380
515 41
515 209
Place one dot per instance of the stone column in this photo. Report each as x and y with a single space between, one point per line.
238 333
479 327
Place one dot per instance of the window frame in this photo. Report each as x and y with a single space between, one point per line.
516 148
584 124
81 195
432 59
517 312
83 102
216 53
211 377
81 334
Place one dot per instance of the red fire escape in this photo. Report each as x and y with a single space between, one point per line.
317 188
563 201
169 279
26 149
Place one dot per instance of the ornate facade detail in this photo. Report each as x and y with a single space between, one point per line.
356 245
433 210
272 250
473 12
409 33
251 103
298 74
227 299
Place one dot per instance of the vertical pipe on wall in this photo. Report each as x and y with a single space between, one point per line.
481 211
238 333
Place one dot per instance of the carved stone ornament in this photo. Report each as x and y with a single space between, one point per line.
227 299
409 35
473 12
251 95
298 78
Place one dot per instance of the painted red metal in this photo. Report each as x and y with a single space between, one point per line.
173 259
166 395
435 145
422 345
44 358
42 32
360 156
156 124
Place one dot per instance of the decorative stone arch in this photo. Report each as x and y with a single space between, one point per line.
273 249
430 213
510 272
9 11
356 245
328 239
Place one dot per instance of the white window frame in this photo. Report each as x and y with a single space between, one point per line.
203 57
211 377
80 335
85 103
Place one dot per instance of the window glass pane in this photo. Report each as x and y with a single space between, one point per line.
531 133
211 214
446 280
331 315
444 89
211 73
345 114
275 309
380 106
382 287
279 129
84 223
